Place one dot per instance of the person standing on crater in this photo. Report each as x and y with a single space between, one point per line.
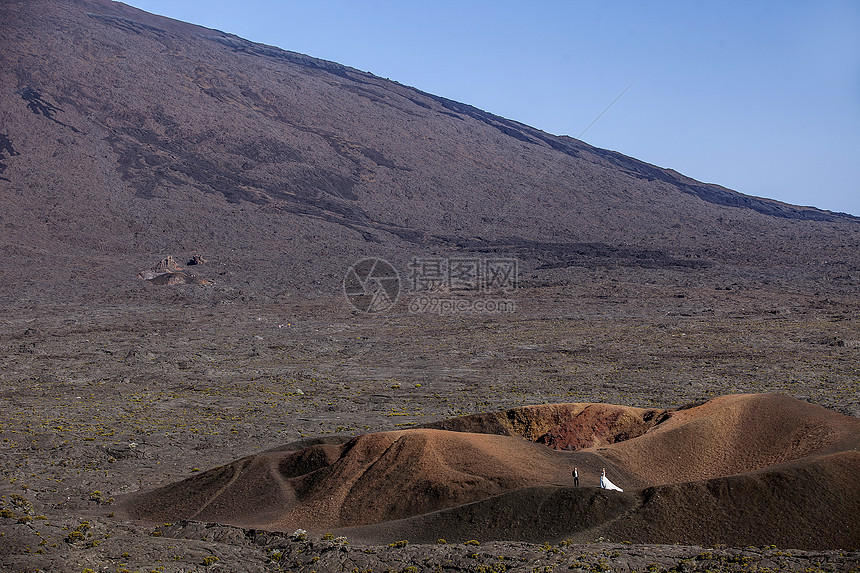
606 484
575 477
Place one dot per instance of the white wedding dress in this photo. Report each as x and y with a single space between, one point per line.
606 484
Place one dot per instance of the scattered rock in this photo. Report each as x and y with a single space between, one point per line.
164 266
167 272
168 265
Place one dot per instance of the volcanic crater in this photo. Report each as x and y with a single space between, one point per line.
699 475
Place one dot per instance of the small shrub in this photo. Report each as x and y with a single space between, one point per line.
79 533
399 544
492 568
21 503
210 560
472 542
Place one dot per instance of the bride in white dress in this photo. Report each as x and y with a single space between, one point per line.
606 484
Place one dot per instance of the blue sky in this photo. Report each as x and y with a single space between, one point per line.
760 97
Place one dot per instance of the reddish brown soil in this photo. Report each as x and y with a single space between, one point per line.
562 426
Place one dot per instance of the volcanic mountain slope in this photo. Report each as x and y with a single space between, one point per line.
126 136
742 469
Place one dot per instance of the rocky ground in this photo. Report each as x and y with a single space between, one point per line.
202 547
102 401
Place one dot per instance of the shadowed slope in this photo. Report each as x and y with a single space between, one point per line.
533 514
812 503
806 505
